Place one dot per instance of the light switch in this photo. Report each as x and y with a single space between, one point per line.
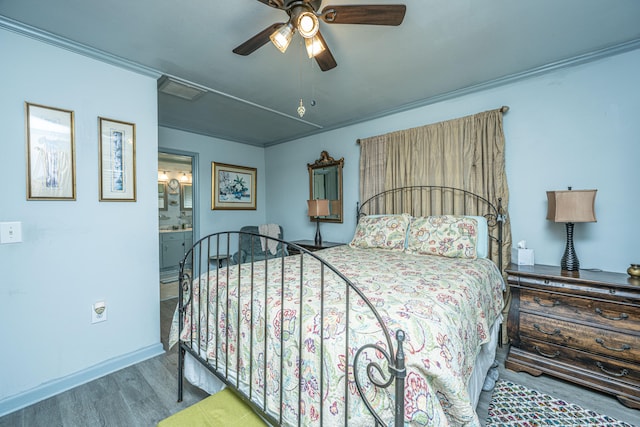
10 232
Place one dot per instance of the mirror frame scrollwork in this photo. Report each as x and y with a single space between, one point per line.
336 206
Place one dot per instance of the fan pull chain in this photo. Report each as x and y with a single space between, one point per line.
301 109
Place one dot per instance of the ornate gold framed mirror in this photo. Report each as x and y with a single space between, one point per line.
325 182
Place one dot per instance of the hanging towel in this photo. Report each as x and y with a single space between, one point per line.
271 230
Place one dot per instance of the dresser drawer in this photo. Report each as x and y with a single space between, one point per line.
591 339
611 369
615 316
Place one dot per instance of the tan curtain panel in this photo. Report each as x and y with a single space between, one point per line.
373 163
465 153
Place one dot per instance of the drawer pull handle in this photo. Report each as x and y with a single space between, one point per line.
553 304
622 373
623 316
539 329
623 348
551 356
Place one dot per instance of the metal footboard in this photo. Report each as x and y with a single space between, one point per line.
233 335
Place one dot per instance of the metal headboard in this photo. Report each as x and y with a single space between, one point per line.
425 200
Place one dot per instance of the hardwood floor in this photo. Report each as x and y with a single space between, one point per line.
143 394
140 395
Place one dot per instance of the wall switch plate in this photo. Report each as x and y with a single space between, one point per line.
98 312
10 232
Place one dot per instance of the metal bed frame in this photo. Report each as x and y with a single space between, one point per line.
215 246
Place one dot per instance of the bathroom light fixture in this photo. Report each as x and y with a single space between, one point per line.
163 176
184 177
570 207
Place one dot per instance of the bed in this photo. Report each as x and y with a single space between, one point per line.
398 327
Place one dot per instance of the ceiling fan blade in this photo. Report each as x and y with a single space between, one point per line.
278 4
381 14
325 59
256 41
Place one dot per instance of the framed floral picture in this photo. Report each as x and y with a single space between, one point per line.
51 168
233 187
117 161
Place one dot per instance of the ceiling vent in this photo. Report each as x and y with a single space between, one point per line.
180 89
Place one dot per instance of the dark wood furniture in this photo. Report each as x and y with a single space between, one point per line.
310 245
581 326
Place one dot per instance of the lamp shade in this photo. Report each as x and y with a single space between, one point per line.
571 206
318 207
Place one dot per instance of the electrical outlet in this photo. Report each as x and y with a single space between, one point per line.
98 312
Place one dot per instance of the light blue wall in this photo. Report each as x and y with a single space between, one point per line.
74 253
576 126
219 151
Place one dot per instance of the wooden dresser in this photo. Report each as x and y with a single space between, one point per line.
582 327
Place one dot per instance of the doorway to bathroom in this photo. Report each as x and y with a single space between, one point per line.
177 214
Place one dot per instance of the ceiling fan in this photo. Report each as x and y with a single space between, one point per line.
303 17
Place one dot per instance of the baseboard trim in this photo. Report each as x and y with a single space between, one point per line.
57 386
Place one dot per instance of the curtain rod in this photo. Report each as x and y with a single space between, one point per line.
502 109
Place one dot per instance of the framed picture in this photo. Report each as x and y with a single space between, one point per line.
51 168
232 187
117 161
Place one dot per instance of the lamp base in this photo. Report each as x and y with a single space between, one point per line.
318 239
569 261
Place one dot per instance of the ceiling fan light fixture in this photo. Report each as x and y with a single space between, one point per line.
314 46
308 24
281 38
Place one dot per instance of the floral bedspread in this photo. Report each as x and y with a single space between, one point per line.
445 306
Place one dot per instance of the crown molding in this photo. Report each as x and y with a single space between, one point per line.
72 46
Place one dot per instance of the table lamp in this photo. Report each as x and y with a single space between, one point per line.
318 208
571 206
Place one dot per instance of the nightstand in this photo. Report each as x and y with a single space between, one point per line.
310 245
582 327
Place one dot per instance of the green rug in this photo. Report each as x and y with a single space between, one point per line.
223 409
515 405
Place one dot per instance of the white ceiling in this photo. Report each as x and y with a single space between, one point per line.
442 48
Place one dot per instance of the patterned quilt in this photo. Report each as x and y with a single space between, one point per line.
445 306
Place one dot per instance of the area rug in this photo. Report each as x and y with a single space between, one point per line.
516 405
223 409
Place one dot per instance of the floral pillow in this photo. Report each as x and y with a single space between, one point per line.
381 231
445 235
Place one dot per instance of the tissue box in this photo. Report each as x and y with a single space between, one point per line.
522 256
